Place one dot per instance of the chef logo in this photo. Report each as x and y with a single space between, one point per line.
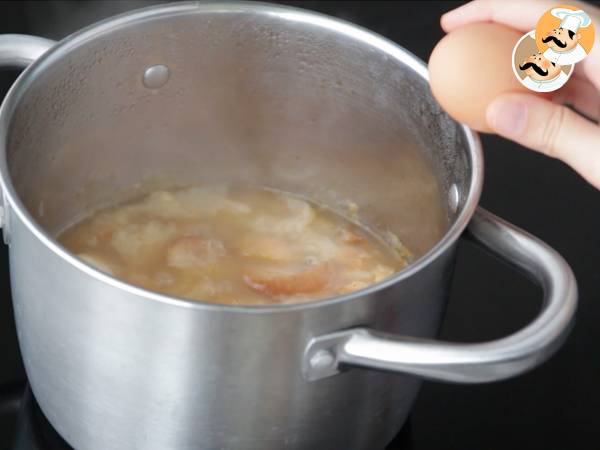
534 70
565 35
544 59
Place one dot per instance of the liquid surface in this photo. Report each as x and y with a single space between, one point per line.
234 245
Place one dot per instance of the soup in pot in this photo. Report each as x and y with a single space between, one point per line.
234 245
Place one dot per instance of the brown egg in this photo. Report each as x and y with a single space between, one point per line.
470 67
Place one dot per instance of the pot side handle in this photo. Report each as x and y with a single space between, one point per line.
20 50
458 362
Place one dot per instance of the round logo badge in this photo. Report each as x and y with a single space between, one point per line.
544 59
534 70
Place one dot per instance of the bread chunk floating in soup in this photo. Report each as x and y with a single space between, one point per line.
234 245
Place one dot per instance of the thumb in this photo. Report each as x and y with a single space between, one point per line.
549 128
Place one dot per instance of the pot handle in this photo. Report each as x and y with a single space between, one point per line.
20 50
458 362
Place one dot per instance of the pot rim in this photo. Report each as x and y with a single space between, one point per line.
12 203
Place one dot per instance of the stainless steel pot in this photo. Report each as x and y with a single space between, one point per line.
255 93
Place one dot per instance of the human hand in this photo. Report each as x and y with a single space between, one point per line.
545 125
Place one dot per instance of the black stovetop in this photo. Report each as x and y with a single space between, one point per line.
554 407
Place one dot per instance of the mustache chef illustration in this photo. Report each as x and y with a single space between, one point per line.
563 42
543 75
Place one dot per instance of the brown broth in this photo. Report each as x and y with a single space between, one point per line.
234 245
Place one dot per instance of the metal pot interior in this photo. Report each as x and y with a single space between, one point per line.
255 94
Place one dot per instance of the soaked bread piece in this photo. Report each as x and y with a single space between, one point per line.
195 251
137 243
267 246
282 284
234 245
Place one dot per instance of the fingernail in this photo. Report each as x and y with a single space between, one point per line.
507 117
